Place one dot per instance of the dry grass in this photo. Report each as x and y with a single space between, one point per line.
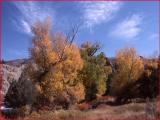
132 111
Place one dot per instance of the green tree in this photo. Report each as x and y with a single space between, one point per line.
95 71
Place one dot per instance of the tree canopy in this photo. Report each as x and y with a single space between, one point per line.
55 63
95 71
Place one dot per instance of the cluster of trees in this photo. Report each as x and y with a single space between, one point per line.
61 73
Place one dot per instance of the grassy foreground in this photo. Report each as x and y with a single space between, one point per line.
131 111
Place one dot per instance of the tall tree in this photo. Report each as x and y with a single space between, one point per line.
55 63
95 71
129 68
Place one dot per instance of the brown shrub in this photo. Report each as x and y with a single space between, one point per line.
84 106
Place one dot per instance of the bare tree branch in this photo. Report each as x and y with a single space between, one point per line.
70 37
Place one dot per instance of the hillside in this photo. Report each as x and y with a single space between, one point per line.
11 71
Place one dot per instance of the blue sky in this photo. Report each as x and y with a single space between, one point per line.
113 24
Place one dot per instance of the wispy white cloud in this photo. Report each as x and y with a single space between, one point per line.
128 28
93 13
99 12
30 12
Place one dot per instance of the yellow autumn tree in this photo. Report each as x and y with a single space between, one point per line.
129 68
54 64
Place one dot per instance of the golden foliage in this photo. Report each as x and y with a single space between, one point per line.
129 68
55 63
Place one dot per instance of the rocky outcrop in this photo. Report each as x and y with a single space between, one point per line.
11 72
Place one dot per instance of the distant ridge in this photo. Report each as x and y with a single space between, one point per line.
17 62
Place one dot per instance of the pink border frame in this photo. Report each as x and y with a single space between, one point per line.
158 71
0 53
79 0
